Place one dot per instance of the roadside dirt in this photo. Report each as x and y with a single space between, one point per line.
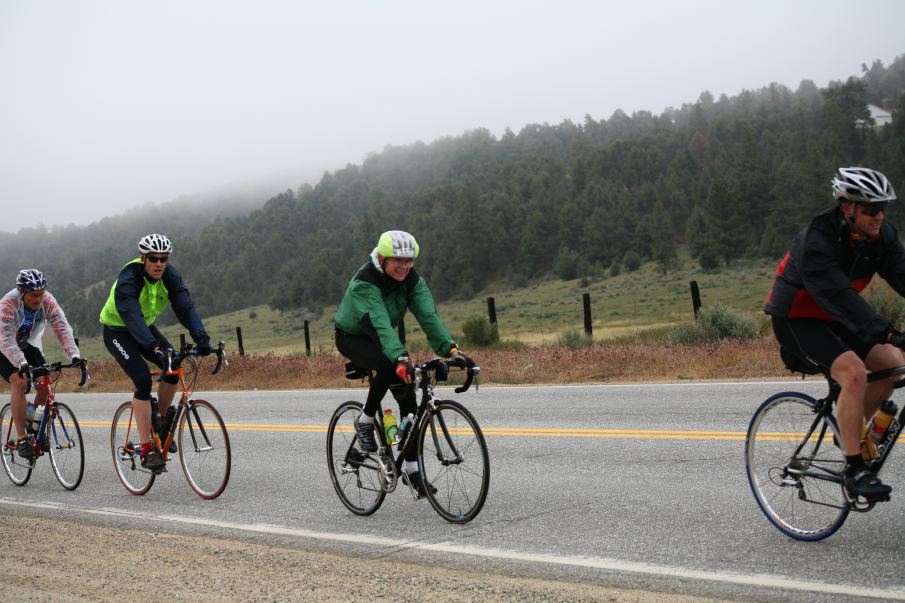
61 561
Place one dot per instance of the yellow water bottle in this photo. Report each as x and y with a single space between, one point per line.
882 420
868 447
390 428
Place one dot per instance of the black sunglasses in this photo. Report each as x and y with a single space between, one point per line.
157 259
872 209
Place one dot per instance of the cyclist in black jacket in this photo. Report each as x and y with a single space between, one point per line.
820 319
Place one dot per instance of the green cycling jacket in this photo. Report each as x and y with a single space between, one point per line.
375 303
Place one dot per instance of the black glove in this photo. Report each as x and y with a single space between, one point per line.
204 347
24 370
896 338
405 370
459 359
161 359
76 361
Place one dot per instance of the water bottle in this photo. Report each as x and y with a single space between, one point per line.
389 426
155 415
36 419
168 421
881 421
407 421
30 417
868 447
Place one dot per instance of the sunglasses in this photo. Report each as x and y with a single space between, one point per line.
157 259
872 209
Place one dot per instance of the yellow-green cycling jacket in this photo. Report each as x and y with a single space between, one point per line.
374 304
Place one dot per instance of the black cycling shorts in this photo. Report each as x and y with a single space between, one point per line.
32 355
131 358
817 341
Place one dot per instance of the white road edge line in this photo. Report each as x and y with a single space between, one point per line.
760 580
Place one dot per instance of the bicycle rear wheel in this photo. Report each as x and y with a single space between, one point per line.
64 443
452 456
354 473
795 468
124 444
204 450
17 468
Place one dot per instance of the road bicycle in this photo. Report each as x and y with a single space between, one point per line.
196 427
452 453
58 434
795 462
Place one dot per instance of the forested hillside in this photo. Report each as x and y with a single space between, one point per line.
729 177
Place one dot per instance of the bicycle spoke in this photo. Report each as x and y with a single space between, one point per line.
67 455
207 462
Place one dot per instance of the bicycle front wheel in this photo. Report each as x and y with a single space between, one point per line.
204 451
795 467
64 442
354 473
125 444
17 468
452 456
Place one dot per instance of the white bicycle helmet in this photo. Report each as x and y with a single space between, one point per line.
31 280
862 185
155 243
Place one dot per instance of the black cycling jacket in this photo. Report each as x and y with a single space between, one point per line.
827 266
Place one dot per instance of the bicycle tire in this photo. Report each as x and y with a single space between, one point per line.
17 468
204 449
452 456
356 479
787 484
63 440
124 441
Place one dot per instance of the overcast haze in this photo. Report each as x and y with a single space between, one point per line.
109 105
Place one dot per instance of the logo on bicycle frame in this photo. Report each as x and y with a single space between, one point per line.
891 434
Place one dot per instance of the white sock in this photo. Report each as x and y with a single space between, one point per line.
410 467
363 418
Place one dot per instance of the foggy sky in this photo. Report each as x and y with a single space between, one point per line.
106 105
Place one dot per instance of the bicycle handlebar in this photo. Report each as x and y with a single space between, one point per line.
434 365
55 367
174 358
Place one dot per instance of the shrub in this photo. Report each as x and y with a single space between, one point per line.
478 331
715 323
631 261
574 339
887 304
615 268
252 315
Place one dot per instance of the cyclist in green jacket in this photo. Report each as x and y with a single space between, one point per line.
377 298
140 293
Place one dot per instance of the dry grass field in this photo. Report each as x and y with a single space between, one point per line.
603 363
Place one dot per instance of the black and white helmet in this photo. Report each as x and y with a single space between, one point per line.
862 185
155 243
31 280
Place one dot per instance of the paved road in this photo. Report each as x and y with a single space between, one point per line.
665 509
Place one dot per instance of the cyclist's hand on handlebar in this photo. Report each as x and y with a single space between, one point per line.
458 358
896 338
204 347
24 370
77 361
161 359
405 370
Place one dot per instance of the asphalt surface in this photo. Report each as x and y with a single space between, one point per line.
668 513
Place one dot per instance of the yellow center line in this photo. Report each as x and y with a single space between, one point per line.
531 432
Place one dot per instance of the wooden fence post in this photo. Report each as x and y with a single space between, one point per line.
586 298
239 337
491 311
695 298
307 340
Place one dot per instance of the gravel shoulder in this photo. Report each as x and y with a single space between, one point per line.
65 560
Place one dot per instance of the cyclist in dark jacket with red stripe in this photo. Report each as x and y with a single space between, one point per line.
820 319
